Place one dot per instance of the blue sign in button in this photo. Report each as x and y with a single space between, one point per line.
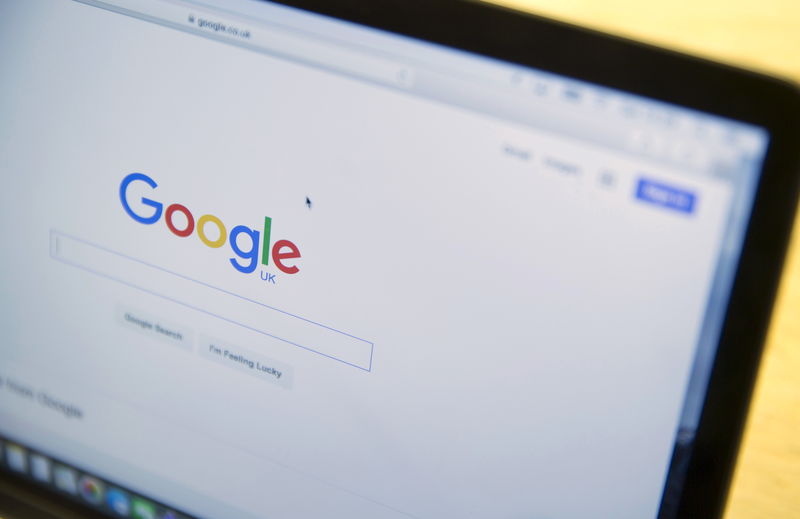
666 196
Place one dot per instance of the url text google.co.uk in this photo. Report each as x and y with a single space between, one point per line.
211 25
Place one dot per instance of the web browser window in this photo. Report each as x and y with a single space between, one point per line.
261 263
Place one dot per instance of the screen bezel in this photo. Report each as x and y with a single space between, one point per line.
606 60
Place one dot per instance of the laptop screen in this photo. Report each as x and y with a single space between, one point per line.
264 263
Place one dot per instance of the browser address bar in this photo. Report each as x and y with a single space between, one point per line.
264 38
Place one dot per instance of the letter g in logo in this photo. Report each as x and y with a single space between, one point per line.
123 192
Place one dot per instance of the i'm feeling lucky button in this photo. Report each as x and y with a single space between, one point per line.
245 361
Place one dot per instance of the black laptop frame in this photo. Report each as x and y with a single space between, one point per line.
660 74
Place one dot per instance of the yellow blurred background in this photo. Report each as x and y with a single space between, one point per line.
762 35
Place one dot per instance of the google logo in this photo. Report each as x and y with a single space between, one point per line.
246 260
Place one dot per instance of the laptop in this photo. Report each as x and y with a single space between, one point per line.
399 259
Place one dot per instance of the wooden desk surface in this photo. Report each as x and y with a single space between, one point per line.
763 35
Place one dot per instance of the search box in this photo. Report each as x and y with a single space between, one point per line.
217 302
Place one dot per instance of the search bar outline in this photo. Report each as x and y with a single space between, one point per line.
104 262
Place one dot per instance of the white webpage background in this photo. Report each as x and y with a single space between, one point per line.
533 333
